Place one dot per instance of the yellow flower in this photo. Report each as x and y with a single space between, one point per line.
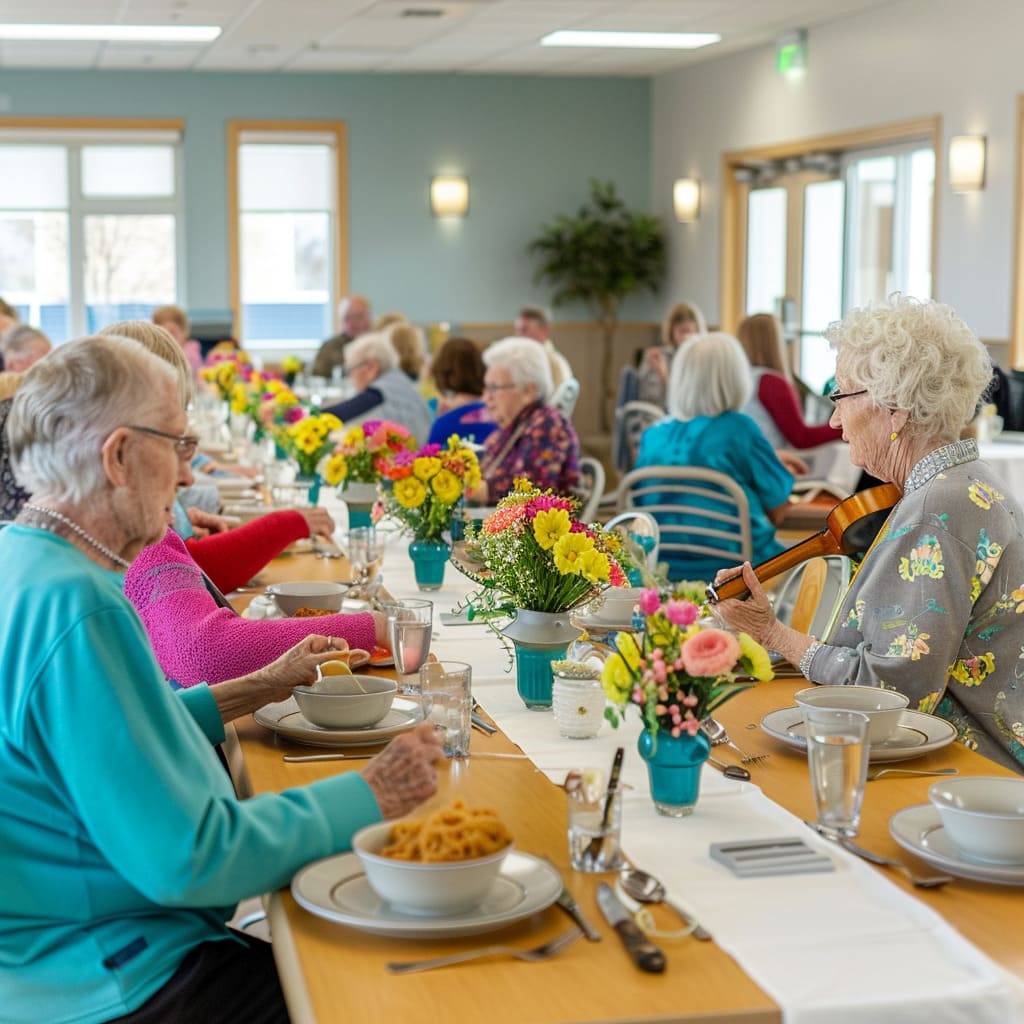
410 492
629 650
239 398
447 487
336 469
426 467
549 525
616 679
567 553
282 396
308 443
330 421
760 663
594 565
354 438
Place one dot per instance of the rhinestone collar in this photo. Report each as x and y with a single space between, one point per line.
949 455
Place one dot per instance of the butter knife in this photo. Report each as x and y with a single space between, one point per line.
572 908
645 954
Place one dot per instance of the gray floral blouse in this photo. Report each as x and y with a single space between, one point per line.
937 608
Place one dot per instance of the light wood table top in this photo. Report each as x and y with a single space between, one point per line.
333 973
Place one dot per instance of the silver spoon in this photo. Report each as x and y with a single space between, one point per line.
646 888
877 774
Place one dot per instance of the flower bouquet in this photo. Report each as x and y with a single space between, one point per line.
308 441
358 462
539 561
422 489
225 371
677 671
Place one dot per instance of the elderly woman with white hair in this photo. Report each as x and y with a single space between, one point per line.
533 439
709 383
122 841
934 611
383 390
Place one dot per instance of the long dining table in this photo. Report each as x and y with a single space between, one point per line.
771 958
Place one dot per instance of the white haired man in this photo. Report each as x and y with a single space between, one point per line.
354 314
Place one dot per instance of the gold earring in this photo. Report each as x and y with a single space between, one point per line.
893 436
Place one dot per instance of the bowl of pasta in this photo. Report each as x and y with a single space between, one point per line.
441 864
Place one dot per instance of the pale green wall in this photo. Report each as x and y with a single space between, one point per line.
528 146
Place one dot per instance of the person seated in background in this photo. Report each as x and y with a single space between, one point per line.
354 314
532 439
775 403
22 346
534 322
174 320
683 321
709 384
123 843
934 610
411 347
383 391
458 373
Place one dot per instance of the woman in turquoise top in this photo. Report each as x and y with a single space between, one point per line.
709 382
123 847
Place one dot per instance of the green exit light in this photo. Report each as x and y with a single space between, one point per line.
791 53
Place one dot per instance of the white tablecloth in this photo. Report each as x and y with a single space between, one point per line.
844 947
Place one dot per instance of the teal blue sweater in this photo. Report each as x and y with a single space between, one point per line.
122 843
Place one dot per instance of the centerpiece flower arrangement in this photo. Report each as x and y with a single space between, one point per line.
421 490
223 372
677 671
308 441
538 560
291 367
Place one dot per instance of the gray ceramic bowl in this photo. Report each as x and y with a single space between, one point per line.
983 816
339 702
320 594
432 890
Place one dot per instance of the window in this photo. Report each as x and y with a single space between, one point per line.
89 224
288 262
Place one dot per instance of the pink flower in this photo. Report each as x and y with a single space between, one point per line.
650 602
294 413
710 653
681 613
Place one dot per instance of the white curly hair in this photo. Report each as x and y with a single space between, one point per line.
918 356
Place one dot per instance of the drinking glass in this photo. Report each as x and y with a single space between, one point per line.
837 754
409 627
448 703
363 551
595 825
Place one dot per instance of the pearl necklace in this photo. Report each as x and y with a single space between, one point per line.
74 527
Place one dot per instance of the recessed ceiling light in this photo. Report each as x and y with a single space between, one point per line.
112 33
633 40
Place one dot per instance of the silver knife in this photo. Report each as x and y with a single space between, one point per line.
645 954
572 908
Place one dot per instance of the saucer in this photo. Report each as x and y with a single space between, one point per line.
916 734
287 720
336 888
919 829
598 627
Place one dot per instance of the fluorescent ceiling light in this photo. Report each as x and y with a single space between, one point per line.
112 33
633 40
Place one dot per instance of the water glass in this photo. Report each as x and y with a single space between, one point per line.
595 826
363 551
448 703
837 754
410 624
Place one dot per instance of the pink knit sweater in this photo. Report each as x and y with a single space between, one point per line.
195 641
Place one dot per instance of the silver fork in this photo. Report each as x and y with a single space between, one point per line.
877 774
716 734
545 951
921 881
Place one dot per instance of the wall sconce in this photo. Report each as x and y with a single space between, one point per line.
686 199
449 195
967 163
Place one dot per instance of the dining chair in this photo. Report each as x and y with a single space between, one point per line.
631 420
699 512
640 528
591 487
565 397
810 596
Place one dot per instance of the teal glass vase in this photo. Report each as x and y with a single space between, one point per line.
312 484
539 638
673 768
429 557
359 498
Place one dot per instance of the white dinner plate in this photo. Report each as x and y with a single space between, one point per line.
336 888
919 829
916 734
286 719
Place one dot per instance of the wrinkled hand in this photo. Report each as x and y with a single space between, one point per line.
205 523
318 520
403 775
297 666
796 465
380 627
753 615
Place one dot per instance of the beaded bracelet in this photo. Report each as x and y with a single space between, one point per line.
808 657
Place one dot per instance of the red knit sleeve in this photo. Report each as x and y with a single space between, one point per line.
233 557
780 399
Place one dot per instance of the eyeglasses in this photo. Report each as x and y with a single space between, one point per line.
837 395
185 445
500 387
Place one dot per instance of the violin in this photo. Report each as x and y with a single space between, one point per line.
850 529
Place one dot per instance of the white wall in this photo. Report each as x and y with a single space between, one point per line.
905 59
